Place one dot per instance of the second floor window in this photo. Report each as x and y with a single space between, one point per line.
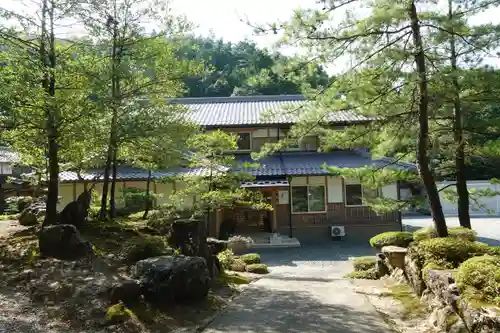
244 141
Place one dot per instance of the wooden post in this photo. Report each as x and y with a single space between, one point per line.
274 203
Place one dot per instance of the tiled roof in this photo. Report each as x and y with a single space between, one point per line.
294 164
8 156
256 110
312 163
128 173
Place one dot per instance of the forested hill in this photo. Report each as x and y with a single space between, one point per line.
244 69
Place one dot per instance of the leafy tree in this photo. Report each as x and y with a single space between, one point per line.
244 69
218 184
142 70
44 90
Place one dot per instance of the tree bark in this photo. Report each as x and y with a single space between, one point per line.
423 138
49 85
148 190
112 194
458 126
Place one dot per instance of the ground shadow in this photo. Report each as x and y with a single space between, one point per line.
293 311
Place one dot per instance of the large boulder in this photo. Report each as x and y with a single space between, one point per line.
128 292
395 256
63 241
30 215
169 279
414 274
216 245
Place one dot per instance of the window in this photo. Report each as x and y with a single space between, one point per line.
354 194
306 199
245 141
293 144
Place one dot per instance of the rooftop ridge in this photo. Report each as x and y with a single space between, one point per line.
237 99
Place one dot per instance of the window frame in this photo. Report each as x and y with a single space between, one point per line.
307 186
251 141
377 193
285 132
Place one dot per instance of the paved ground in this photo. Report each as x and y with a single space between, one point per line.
487 228
303 293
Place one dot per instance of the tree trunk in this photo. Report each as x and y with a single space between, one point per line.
105 185
458 126
112 194
49 84
423 138
148 189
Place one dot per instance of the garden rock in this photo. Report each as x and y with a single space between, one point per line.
216 245
169 279
439 282
380 266
414 275
128 292
64 242
30 214
395 256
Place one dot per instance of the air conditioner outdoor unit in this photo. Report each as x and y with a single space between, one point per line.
337 231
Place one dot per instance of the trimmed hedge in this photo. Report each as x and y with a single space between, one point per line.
250 258
364 263
453 232
478 279
447 251
396 238
370 274
145 247
257 269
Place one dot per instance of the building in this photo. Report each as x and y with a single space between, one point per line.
307 200
7 160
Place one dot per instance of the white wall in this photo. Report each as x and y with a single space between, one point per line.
489 203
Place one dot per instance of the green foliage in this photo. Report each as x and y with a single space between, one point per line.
17 204
364 263
454 232
118 313
226 258
137 199
257 268
225 279
250 258
448 251
244 69
238 265
94 212
411 303
370 274
144 247
478 279
396 238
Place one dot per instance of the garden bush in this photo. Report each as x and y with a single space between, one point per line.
17 204
364 263
250 258
447 251
145 247
226 258
370 274
453 232
396 238
257 268
478 279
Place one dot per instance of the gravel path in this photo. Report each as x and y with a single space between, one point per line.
304 292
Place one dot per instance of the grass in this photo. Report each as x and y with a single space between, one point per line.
369 274
412 305
9 217
364 263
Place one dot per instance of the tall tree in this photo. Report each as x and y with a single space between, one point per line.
44 89
143 70
385 78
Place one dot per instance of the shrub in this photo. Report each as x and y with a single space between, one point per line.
145 247
17 204
250 258
364 263
226 258
453 232
397 238
257 269
240 239
94 212
444 251
136 199
479 279
370 274
118 313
